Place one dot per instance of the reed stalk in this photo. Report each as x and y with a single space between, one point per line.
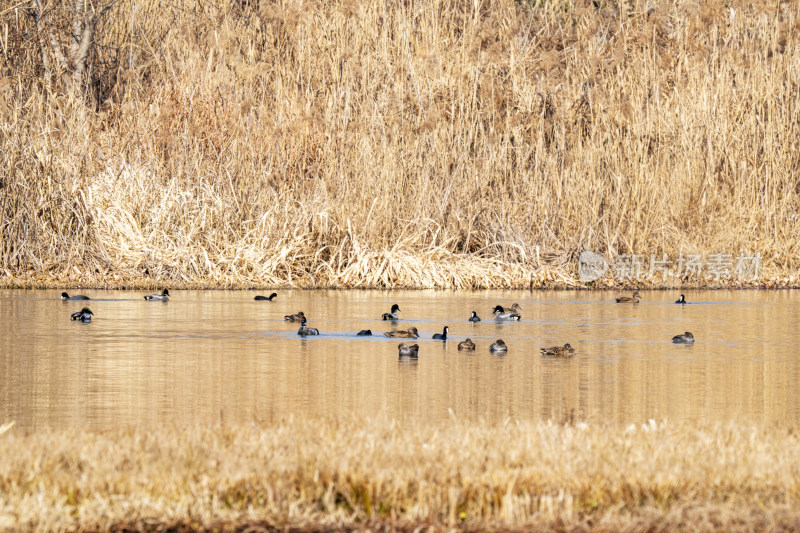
437 143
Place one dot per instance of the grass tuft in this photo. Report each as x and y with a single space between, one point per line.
303 475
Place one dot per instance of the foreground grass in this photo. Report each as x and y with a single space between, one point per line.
388 475
436 143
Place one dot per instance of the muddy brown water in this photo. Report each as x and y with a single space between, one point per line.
209 357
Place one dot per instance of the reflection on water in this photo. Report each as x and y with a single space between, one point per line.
216 356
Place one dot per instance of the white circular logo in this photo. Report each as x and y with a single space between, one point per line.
591 266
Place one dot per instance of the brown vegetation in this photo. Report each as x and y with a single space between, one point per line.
387 474
439 143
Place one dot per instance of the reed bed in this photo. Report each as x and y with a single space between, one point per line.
434 143
384 474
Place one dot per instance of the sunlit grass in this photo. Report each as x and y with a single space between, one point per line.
314 474
431 144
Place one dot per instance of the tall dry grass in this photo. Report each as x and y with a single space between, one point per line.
436 143
302 475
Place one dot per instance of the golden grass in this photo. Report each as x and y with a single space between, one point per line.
438 143
387 475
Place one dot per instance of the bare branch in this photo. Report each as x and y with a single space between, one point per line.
78 9
82 52
42 46
69 64
63 65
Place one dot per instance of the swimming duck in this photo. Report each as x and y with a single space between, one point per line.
393 314
474 317
686 338
441 336
412 333
466 346
629 299
408 351
84 315
681 300
364 333
65 296
304 331
268 298
296 317
502 314
498 347
163 297
559 351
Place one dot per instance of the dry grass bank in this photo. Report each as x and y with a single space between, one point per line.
389 475
437 143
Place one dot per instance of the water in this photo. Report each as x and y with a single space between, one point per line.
209 357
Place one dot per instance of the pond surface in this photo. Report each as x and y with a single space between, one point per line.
208 357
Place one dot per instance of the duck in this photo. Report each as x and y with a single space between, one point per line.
498 347
364 333
681 300
84 315
408 351
502 314
163 297
686 338
393 314
412 333
441 336
474 317
466 346
296 317
629 299
65 296
305 331
267 298
559 351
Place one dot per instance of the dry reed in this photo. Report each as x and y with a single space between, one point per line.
387 475
438 143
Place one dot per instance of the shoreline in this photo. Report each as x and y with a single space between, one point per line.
555 280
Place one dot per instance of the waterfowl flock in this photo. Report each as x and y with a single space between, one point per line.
501 314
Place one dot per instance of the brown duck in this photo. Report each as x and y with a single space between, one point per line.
466 346
412 333
629 299
559 351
